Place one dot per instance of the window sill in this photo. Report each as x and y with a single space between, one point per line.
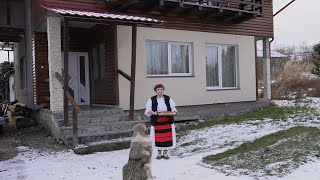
170 76
222 89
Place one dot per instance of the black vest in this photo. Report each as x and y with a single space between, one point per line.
155 107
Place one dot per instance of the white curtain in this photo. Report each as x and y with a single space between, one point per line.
157 58
228 66
179 58
212 66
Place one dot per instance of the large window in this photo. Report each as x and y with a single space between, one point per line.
168 59
221 67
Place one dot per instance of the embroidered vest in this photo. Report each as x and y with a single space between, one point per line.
155 107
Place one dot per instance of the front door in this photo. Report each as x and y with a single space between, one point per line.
79 85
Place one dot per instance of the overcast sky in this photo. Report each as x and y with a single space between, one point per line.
297 24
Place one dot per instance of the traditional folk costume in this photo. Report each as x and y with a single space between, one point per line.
162 131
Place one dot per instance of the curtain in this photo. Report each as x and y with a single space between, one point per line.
228 66
212 66
157 58
179 58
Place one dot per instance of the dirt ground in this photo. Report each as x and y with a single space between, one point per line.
34 137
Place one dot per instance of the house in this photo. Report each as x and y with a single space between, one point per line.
203 51
277 61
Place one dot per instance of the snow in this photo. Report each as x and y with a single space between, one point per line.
185 162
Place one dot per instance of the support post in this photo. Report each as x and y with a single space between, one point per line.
133 70
266 70
54 60
66 71
75 127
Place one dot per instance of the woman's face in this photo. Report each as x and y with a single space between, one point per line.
159 91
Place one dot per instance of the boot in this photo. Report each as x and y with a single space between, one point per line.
159 156
165 154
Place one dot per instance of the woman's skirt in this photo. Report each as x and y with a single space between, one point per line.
163 134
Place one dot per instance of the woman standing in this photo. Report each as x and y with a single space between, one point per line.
162 130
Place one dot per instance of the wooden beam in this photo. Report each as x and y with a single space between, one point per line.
8 13
133 70
231 15
115 60
212 13
70 98
125 75
66 71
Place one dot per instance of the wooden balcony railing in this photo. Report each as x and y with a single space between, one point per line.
223 9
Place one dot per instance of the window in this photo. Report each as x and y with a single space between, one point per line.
99 61
168 59
221 67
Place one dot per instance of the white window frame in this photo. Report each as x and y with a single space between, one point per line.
220 87
169 43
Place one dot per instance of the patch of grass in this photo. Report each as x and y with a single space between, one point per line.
271 112
274 154
191 143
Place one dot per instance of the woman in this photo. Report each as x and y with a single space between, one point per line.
162 130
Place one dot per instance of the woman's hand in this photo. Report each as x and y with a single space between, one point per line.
175 111
153 113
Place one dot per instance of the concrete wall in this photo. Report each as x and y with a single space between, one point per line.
47 120
19 53
185 90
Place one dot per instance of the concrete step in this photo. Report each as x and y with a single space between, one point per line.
101 128
111 145
100 120
101 136
93 113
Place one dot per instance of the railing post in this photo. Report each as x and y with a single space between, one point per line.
66 71
75 127
133 69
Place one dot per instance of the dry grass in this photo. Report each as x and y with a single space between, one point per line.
295 81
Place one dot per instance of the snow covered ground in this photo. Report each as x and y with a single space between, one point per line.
185 162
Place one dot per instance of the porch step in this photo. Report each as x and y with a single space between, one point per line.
101 136
100 120
95 128
101 112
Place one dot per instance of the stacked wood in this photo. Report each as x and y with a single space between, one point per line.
19 115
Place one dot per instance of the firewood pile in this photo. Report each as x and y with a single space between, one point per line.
19 115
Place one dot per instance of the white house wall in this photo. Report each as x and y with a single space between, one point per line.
184 90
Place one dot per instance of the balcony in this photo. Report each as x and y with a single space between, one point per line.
234 11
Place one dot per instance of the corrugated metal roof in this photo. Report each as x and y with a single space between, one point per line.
274 54
111 16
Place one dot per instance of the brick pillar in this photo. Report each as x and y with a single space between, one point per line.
266 69
54 59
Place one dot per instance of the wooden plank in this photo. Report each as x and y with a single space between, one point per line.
66 70
125 75
115 60
133 70
70 98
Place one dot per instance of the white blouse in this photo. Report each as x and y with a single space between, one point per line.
161 106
